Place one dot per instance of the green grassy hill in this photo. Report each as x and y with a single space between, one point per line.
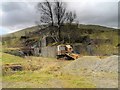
13 39
21 32
82 28
71 35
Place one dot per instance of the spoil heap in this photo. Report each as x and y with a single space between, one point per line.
92 63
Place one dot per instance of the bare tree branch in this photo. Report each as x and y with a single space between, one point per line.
55 13
45 9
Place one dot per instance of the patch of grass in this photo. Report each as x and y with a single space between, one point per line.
112 35
105 50
41 77
73 81
36 79
7 58
28 76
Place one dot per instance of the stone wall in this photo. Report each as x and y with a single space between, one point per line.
49 51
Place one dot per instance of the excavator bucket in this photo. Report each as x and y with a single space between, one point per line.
72 56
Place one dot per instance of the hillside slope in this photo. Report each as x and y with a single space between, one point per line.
81 27
21 32
105 37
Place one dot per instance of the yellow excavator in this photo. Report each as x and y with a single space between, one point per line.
66 52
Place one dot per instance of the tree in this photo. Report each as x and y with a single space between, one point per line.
55 14
46 11
60 15
71 17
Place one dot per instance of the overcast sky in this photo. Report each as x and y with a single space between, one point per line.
19 15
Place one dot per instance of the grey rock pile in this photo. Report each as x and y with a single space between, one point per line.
93 63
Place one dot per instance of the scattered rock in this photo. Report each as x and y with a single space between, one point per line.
109 64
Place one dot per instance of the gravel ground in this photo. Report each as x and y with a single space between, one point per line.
103 72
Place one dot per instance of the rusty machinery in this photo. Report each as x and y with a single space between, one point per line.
66 52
